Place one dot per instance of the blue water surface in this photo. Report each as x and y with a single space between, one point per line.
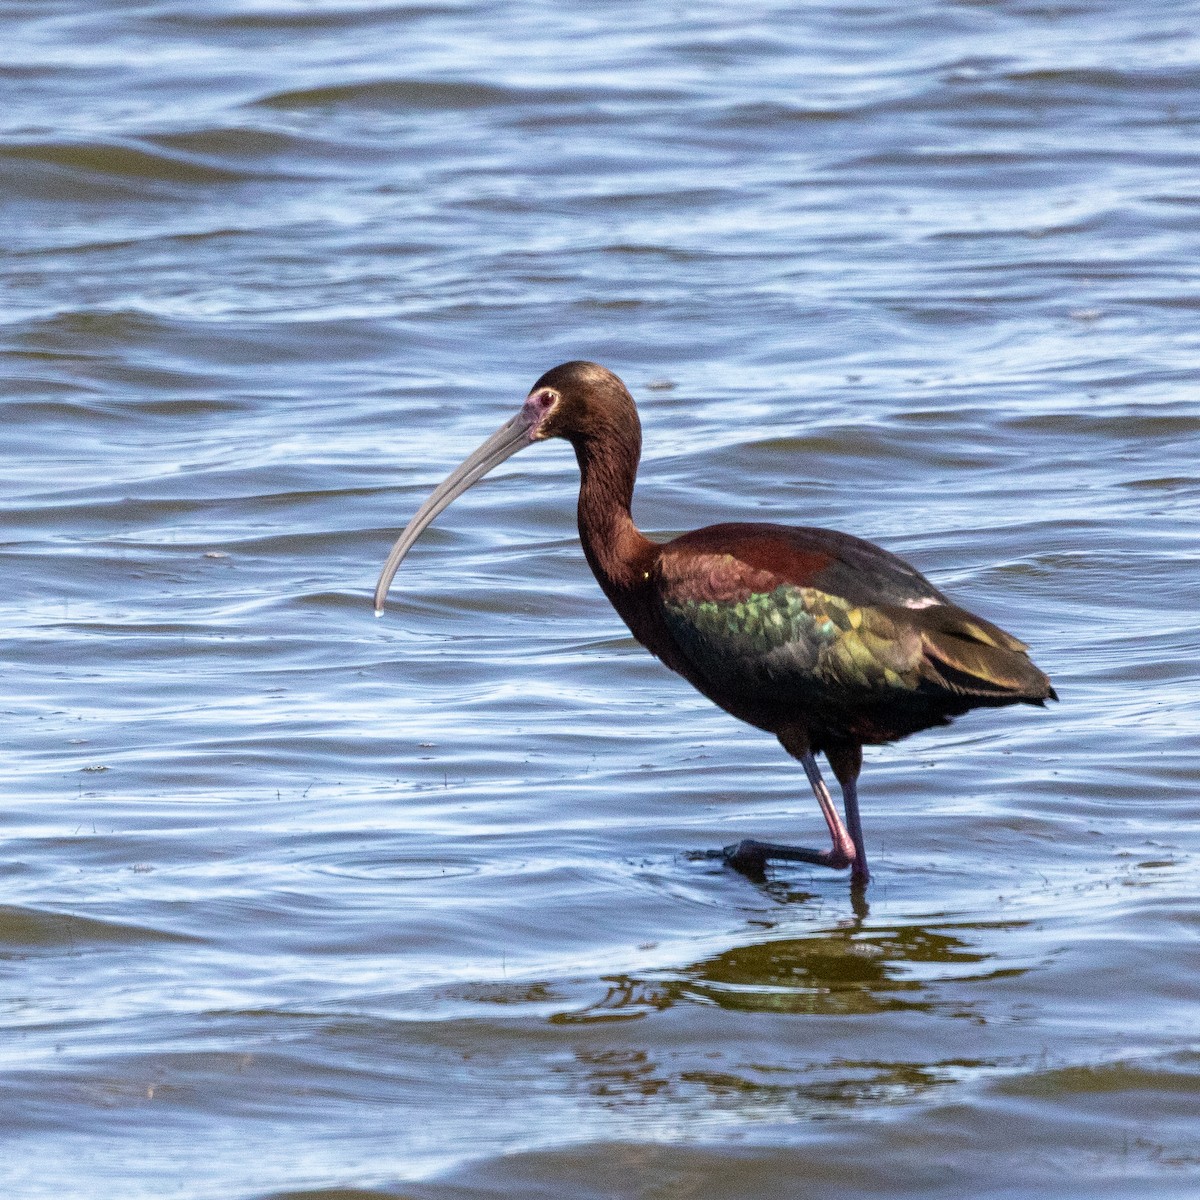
300 903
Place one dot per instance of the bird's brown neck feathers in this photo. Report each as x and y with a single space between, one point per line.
608 445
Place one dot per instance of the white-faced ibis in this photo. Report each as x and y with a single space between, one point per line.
825 640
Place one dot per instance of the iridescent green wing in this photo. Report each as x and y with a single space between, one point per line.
776 614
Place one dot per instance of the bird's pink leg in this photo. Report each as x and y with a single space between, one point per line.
843 844
751 856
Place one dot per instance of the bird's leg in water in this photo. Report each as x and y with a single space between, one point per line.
749 856
846 762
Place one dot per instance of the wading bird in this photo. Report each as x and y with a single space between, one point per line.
823 639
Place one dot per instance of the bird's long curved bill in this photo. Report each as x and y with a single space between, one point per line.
512 436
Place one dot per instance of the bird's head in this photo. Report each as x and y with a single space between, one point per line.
579 401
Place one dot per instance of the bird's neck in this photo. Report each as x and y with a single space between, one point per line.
616 551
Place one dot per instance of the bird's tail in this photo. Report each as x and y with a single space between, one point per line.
972 657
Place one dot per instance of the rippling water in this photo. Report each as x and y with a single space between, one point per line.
300 902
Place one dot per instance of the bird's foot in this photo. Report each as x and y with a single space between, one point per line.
750 857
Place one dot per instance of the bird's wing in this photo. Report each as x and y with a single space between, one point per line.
783 614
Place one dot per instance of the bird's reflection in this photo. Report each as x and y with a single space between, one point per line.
847 969
851 968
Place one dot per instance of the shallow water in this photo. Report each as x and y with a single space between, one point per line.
300 902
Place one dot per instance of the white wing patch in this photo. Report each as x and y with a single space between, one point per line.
923 602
